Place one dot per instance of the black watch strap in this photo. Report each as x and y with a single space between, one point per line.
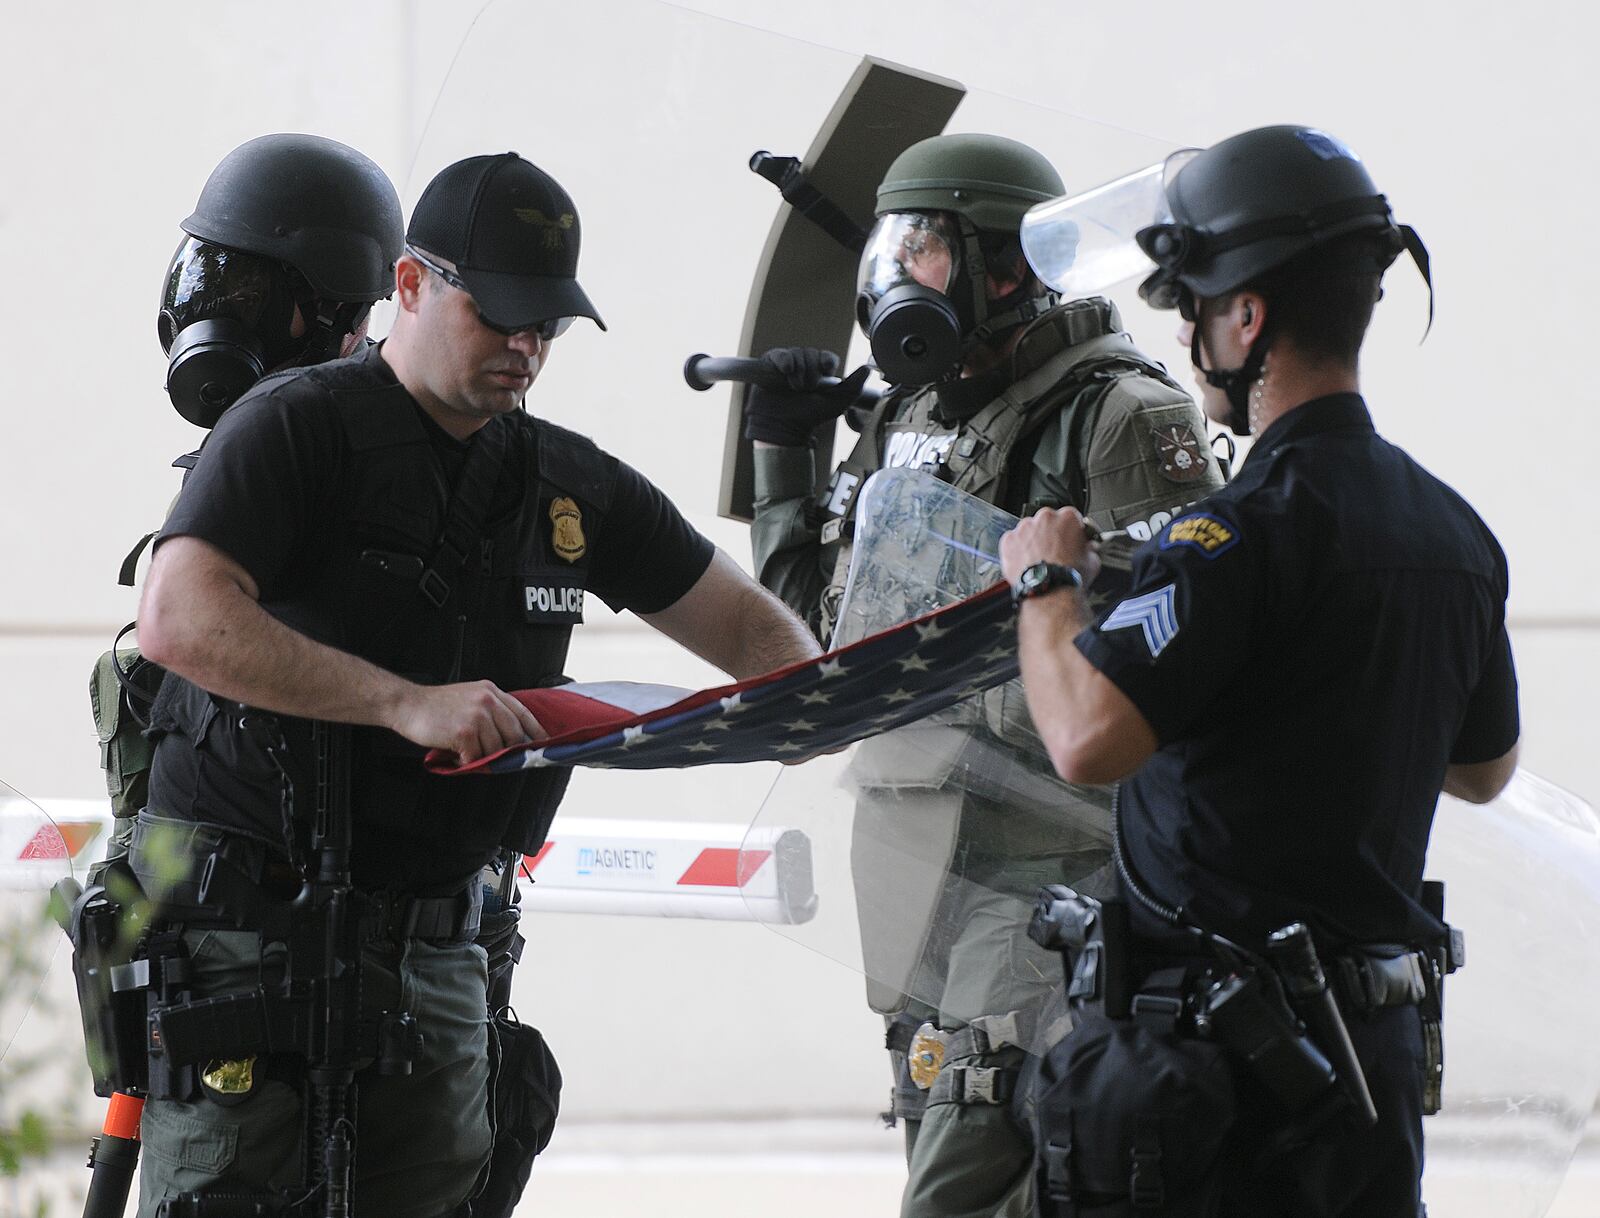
1042 577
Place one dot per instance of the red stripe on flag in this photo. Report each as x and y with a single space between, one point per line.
530 861
724 867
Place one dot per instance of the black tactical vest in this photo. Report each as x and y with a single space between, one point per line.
506 616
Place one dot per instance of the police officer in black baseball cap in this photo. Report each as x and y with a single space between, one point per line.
478 215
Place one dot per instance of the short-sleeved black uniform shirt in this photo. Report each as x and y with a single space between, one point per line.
1313 646
262 491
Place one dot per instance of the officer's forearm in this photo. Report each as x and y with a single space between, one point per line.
199 619
1092 731
731 621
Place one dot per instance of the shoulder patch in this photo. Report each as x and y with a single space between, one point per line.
1210 535
1154 613
574 463
1181 454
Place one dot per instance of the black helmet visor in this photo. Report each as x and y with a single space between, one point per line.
208 281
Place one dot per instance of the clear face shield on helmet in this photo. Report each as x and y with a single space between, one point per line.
1084 243
909 266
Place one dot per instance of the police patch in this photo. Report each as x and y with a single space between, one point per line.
566 535
1202 531
1182 455
554 599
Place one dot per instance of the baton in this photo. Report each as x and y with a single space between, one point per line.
703 371
1292 951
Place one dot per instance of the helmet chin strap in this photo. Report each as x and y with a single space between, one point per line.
1236 382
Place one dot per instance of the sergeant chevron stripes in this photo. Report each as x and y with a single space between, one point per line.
1154 613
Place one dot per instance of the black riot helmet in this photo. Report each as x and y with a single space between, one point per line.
945 208
283 221
1258 203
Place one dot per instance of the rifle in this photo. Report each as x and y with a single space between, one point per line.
309 1002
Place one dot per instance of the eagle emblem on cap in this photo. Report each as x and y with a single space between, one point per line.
1182 455
552 227
567 530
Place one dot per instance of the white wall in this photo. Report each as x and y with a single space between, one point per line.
1476 119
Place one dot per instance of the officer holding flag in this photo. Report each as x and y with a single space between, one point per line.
1300 665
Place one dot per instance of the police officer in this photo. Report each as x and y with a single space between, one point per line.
292 240
388 541
1023 400
1298 668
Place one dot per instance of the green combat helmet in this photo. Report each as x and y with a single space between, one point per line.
949 207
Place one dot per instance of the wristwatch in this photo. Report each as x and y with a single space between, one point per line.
1042 577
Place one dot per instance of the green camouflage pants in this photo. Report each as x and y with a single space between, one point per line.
967 1157
421 1139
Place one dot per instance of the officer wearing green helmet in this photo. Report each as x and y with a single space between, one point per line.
1027 401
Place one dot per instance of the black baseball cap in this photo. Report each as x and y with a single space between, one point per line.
512 232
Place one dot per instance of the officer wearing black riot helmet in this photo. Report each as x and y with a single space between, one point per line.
391 541
1299 667
293 239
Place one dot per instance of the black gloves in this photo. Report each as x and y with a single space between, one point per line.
790 415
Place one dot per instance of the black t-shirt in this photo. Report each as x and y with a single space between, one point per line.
1313 645
260 488
271 477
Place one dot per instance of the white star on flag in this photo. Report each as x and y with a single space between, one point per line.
881 682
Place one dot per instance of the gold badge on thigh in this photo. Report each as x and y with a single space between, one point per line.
926 1055
567 535
230 1077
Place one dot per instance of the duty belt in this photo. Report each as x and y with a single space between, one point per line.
936 1060
393 916
202 875
1372 977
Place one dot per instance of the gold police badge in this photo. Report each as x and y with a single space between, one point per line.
567 533
926 1055
230 1077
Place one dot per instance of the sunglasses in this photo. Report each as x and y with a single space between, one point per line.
551 327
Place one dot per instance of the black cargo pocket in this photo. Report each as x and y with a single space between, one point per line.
525 1098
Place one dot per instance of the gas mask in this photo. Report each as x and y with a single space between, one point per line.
909 267
922 296
226 319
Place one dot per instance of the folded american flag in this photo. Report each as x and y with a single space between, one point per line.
881 682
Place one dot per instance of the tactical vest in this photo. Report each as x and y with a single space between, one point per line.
1090 353
506 616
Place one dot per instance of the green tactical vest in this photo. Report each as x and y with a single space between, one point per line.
1136 452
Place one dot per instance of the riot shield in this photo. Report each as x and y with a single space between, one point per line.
34 855
1522 1067
940 833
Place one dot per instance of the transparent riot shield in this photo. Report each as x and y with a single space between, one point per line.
34 856
1522 1065
648 114
942 832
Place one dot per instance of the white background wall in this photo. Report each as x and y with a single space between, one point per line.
1475 118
